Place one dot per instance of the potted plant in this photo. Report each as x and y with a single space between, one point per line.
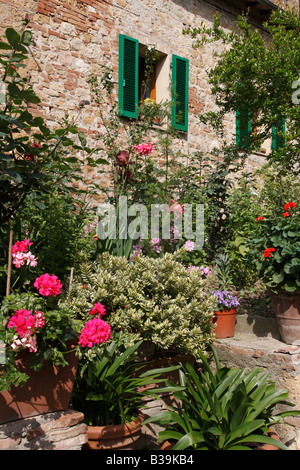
277 253
39 365
38 334
229 409
224 317
110 388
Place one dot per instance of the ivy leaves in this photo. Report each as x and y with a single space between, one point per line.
33 158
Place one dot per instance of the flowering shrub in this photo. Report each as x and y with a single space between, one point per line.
225 300
277 250
154 299
36 323
144 149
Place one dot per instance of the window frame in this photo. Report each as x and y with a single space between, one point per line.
183 77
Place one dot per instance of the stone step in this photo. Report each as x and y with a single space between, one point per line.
258 325
282 361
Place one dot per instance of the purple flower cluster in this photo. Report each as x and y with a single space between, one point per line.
156 245
225 299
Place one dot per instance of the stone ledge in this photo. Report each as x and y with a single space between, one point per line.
281 360
62 430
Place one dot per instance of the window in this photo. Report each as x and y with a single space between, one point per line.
180 82
278 135
243 126
128 76
132 77
148 89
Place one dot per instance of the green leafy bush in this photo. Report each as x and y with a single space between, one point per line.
225 410
277 249
151 299
109 388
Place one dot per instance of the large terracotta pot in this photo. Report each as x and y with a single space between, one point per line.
119 436
224 322
287 311
46 390
162 362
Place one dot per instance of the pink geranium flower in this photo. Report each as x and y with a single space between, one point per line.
98 308
48 285
26 323
21 246
19 259
95 331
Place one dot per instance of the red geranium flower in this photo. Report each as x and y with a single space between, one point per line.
259 218
289 204
267 252
286 214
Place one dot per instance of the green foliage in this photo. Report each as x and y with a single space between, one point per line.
225 410
209 181
223 272
33 158
257 73
154 299
279 268
58 231
53 340
109 388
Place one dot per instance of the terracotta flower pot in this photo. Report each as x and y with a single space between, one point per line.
287 311
162 362
119 436
224 323
46 390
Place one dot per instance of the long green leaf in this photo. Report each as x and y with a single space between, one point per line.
272 399
121 359
256 438
244 428
188 440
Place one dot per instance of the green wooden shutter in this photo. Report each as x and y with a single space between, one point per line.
128 76
278 133
243 126
180 84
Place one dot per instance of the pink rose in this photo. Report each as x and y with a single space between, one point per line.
144 149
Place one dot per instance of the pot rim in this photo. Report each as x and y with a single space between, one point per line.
226 311
103 432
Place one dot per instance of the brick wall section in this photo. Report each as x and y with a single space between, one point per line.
62 430
73 38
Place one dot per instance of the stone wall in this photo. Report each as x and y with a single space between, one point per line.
63 430
73 38
281 361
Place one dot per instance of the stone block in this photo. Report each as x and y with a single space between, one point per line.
62 430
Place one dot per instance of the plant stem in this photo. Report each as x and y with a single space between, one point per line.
9 261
